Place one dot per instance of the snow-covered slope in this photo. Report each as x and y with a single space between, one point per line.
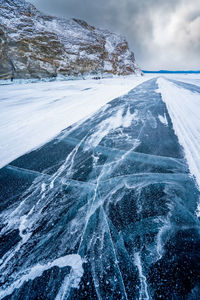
33 45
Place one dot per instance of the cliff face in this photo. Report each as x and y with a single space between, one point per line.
33 45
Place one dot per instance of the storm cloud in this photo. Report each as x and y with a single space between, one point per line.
162 34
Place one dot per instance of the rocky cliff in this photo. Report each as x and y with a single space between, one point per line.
33 45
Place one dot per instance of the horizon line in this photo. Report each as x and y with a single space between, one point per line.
170 71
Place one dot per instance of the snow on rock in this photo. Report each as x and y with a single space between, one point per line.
184 108
34 45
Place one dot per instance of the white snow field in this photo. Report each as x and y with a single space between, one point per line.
188 78
31 114
184 108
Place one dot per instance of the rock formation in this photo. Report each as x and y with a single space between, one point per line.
34 45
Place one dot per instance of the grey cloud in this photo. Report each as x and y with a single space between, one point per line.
162 34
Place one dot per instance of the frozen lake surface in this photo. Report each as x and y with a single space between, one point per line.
108 209
31 114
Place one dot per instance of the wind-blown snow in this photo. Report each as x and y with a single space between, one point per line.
32 114
73 260
184 108
112 123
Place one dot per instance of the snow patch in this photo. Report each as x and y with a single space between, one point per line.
163 119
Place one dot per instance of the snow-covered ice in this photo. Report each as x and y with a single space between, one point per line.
33 113
187 78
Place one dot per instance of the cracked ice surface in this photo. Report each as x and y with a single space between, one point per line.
183 103
106 210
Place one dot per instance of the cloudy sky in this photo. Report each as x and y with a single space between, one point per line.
164 34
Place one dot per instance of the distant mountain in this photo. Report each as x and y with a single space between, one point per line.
172 72
34 45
